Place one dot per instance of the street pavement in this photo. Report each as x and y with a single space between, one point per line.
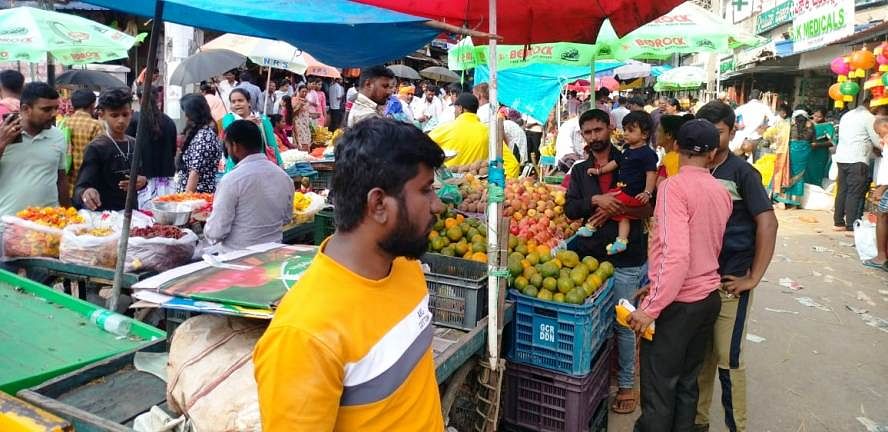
820 360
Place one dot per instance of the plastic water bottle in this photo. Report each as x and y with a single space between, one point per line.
111 322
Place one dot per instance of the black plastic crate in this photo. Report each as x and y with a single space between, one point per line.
324 225
457 290
541 400
323 180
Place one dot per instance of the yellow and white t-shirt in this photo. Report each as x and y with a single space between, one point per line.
344 353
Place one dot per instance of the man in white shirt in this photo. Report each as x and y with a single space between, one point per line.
516 139
427 108
482 92
255 92
447 108
750 116
376 84
880 125
336 98
228 83
569 144
620 111
857 142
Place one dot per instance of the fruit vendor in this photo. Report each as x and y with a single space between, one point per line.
586 198
468 137
104 176
350 347
255 200
689 222
746 253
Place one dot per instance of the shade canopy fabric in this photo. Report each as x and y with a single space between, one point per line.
339 33
681 78
534 89
537 21
29 34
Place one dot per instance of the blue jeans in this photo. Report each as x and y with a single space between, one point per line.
627 280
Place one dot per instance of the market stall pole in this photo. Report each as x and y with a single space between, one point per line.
149 110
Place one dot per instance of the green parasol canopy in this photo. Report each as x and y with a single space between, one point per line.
681 78
686 29
29 34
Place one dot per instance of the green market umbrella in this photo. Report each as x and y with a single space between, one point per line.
686 29
681 78
29 34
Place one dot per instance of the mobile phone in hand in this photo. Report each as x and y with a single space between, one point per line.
11 117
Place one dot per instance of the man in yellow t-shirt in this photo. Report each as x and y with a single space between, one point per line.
349 348
468 137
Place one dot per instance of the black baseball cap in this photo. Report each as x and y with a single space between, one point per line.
698 136
467 101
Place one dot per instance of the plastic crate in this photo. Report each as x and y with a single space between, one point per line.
322 181
540 400
553 180
457 290
558 336
599 419
324 225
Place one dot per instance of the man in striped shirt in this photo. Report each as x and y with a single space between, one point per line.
689 222
349 348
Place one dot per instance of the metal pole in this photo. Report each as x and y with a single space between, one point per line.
148 111
494 210
265 101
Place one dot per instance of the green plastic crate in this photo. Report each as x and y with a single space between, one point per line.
324 225
45 333
553 180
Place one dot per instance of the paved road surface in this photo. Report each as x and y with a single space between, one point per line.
817 370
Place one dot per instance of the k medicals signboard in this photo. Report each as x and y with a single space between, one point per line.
820 22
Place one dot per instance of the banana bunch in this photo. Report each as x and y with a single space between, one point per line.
300 201
321 135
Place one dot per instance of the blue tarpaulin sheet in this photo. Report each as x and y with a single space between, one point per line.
336 32
534 89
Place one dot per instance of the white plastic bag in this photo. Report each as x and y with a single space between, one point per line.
865 239
23 239
317 204
87 249
833 171
160 253
210 373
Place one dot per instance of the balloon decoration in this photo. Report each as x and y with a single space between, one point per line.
856 65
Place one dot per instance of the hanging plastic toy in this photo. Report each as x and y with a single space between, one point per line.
836 95
840 67
861 61
849 89
881 53
876 86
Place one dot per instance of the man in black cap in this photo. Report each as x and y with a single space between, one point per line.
689 222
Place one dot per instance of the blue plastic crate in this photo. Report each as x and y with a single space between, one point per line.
558 336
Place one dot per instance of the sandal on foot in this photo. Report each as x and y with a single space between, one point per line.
619 245
625 403
585 231
874 265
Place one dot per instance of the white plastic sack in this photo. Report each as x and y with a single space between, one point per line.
86 249
833 171
816 198
160 254
210 373
865 239
22 239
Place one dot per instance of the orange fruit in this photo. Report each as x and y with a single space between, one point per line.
450 223
433 235
543 250
479 256
460 218
525 263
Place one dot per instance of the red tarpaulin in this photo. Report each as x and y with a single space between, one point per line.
537 21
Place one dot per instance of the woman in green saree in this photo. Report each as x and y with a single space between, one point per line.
240 110
788 182
824 138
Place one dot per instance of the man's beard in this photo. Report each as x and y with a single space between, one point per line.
597 145
405 240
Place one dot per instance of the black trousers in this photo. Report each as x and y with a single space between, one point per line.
671 362
853 182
